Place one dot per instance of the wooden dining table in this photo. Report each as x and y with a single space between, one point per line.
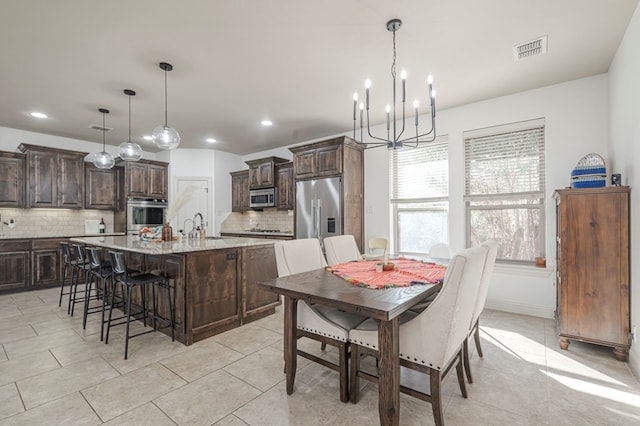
385 305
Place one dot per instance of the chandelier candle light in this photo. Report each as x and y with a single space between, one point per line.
103 160
130 151
394 140
163 136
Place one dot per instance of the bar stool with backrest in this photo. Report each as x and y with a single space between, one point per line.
68 265
101 272
81 269
144 281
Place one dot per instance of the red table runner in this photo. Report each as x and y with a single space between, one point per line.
406 272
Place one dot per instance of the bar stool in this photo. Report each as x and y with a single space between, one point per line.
120 275
67 264
82 267
101 272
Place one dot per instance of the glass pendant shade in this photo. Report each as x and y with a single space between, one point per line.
130 151
166 137
103 160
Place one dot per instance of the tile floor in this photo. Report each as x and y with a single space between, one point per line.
54 372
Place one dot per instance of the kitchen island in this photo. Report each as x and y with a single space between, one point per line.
214 281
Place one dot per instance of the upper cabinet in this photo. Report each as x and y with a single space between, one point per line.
321 159
103 190
285 186
262 172
55 177
240 191
12 171
146 179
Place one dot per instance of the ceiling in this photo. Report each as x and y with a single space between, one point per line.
296 63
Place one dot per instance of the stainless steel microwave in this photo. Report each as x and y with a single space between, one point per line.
143 212
260 198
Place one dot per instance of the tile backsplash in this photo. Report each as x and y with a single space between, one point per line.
266 219
41 223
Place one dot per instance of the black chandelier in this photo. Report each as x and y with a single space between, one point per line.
395 140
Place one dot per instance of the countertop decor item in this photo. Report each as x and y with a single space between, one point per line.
130 151
164 136
590 172
103 160
394 140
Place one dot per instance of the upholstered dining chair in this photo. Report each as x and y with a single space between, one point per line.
326 325
430 342
340 249
440 251
485 281
377 247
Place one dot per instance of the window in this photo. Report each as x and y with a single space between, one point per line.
419 193
504 189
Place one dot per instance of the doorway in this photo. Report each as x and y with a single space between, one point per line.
198 200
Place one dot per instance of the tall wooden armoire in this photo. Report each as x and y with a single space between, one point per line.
592 261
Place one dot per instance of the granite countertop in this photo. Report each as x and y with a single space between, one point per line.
259 233
135 244
55 235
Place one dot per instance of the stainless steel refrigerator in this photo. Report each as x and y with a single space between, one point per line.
319 208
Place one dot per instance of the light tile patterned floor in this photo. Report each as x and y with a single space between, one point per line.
54 372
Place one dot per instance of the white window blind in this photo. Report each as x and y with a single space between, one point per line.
420 173
504 188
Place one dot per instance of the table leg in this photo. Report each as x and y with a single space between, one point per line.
290 341
389 372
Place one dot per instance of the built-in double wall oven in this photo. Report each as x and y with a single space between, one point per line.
145 212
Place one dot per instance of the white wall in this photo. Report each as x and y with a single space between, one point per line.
625 150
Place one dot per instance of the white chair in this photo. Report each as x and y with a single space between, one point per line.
430 342
341 249
440 251
485 281
326 325
375 246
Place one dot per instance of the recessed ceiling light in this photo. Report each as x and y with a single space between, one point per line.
147 138
211 140
266 122
39 115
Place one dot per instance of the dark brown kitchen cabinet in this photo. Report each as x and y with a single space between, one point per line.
46 262
285 186
321 159
14 264
12 178
55 177
146 179
592 277
240 191
258 264
262 172
102 188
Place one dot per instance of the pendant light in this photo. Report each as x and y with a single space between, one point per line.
130 151
103 160
163 136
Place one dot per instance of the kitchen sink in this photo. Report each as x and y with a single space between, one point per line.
214 238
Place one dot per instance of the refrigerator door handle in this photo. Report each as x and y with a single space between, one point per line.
319 225
314 218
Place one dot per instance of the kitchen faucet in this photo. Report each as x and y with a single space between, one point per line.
201 227
184 228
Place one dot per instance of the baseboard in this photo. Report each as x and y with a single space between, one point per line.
634 363
519 308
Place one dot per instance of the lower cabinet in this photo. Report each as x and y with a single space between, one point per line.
31 264
46 262
258 264
14 264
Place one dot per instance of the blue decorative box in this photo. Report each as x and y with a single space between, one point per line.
590 172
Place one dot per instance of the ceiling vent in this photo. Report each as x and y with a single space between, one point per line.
101 128
530 48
